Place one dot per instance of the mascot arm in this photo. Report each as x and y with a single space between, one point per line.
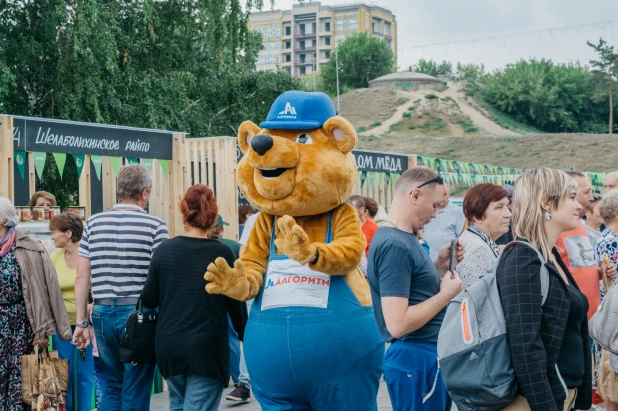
344 253
244 281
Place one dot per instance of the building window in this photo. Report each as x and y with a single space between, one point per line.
267 48
327 54
288 58
267 33
288 44
277 46
327 26
277 59
288 31
353 25
267 60
339 25
327 41
277 31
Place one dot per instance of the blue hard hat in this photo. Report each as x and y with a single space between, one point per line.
299 110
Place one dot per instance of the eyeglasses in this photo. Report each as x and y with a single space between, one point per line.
437 179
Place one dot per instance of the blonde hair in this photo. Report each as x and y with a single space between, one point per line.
48 196
533 189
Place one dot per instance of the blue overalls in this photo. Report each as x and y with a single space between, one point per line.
310 344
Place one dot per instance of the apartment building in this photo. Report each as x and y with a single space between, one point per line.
299 41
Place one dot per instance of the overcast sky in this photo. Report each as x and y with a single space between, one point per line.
422 22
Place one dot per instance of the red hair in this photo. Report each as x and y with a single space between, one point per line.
199 207
479 197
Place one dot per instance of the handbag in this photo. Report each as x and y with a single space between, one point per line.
603 326
137 346
44 380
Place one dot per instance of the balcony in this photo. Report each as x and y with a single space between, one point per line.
299 49
305 62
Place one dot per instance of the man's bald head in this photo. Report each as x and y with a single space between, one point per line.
611 181
412 178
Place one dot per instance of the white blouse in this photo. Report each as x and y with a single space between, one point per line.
478 261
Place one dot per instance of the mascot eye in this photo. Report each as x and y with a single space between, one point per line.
304 139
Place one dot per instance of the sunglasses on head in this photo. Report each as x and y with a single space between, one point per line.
437 179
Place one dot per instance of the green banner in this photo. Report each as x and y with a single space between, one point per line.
20 160
388 177
116 163
97 162
165 167
147 162
79 163
363 178
132 160
372 179
39 163
61 160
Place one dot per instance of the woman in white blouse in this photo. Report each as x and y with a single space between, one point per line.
486 208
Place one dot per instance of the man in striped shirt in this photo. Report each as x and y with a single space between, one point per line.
115 254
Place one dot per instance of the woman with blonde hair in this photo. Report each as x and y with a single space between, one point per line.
549 343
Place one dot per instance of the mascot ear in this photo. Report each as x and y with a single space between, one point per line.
246 132
342 133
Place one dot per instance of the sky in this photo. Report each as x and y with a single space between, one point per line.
423 22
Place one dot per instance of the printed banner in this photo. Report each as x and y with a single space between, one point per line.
39 163
363 178
61 160
116 163
132 160
97 162
147 162
79 163
165 167
20 160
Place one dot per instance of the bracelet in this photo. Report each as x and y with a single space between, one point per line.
315 259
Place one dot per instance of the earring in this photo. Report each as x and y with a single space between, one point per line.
548 215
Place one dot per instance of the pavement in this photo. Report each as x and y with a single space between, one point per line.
160 402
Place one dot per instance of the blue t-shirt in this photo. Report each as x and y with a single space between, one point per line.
398 266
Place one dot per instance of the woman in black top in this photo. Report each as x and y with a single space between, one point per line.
192 331
549 343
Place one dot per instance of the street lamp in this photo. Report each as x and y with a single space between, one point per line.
337 70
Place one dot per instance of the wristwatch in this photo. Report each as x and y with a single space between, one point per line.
82 324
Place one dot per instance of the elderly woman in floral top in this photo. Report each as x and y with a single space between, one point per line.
31 305
486 208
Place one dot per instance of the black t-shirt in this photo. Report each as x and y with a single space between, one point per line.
192 330
570 360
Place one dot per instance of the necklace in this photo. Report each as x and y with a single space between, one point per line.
386 220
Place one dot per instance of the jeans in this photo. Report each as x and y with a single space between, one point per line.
128 386
85 374
99 382
194 393
234 350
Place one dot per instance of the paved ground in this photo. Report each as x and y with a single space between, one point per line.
160 402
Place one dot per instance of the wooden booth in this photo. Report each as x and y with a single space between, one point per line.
100 150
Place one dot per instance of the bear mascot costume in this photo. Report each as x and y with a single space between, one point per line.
311 342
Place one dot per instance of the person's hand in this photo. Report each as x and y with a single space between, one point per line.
226 280
82 337
445 253
611 271
451 285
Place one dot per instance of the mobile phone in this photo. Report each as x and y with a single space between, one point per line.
452 263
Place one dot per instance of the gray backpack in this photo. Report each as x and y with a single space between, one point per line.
473 349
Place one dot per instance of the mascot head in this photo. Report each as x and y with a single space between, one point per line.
299 161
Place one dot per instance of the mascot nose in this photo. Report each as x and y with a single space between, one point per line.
262 143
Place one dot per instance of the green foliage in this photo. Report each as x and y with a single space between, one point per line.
362 128
402 100
438 124
442 89
407 114
432 68
468 125
362 58
431 96
411 108
605 76
411 127
548 96
375 124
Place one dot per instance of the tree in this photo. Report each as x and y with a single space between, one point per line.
432 68
605 73
362 58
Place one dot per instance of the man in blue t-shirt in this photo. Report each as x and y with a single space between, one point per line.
410 293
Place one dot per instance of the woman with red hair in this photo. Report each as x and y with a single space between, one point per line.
485 208
192 331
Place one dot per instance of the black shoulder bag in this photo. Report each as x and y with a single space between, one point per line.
138 344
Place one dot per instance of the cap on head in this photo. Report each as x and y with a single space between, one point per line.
220 221
299 110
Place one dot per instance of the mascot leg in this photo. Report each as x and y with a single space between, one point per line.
314 361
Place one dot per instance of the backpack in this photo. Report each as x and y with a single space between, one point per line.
473 349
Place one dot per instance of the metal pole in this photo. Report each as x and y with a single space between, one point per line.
315 66
337 70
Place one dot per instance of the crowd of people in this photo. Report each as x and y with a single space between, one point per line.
82 293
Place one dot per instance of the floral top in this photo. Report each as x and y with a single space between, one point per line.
608 244
481 255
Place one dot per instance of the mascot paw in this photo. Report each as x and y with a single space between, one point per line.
228 281
294 241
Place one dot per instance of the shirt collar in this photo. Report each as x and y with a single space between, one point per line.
127 207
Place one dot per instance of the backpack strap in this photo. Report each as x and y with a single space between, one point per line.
544 272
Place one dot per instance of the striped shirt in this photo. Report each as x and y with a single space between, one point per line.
120 243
